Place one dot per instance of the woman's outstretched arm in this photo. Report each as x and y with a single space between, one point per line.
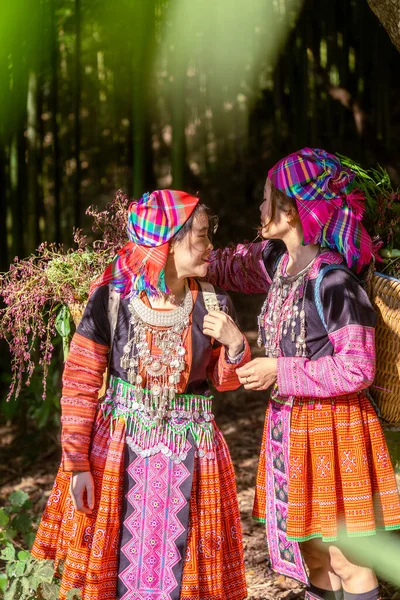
240 268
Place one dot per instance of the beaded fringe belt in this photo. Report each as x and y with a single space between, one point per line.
147 435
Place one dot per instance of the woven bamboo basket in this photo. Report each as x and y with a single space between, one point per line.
76 309
385 296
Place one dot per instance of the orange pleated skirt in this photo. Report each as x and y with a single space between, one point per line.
89 544
340 477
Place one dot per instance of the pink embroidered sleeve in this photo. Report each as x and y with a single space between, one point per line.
349 322
222 372
240 269
349 370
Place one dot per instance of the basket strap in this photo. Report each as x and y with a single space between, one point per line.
113 308
209 296
210 299
317 289
318 304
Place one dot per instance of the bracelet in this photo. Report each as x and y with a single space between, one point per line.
233 360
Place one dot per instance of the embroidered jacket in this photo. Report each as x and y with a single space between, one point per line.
89 356
341 352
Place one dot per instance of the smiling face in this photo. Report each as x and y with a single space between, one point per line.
190 255
277 213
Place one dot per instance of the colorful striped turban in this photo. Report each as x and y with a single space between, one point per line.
330 209
152 223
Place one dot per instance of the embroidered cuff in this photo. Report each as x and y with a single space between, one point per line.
75 461
234 360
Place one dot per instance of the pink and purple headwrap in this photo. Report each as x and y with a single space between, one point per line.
330 210
152 223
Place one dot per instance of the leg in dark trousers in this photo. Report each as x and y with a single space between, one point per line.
316 593
372 595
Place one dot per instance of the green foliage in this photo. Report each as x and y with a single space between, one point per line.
382 219
74 270
18 498
393 442
15 521
41 414
382 202
22 577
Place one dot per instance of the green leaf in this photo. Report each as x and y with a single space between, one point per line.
45 571
23 555
25 586
3 582
12 592
8 553
74 594
29 538
19 568
22 522
4 518
48 591
10 569
11 534
18 498
63 327
62 322
30 567
393 253
33 581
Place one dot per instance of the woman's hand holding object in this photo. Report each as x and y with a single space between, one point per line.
222 327
258 374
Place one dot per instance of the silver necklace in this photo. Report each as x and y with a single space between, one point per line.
160 318
283 312
163 370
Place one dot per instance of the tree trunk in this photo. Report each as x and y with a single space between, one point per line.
178 126
77 187
388 12
31 216
4 257
54 111
4 138
142 57
18 171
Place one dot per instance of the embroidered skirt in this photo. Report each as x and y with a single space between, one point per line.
166 524
335 476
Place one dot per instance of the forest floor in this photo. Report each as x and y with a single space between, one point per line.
25 465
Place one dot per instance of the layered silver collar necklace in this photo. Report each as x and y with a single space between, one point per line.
161 370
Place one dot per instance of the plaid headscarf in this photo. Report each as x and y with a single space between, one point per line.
152 223
330 210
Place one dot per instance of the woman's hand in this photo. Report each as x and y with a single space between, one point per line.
258 374
82 482
223 328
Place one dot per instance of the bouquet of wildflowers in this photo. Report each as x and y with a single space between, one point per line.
37 291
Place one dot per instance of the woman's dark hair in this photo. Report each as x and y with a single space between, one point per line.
201 209
280 201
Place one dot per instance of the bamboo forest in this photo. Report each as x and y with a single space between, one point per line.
102 103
